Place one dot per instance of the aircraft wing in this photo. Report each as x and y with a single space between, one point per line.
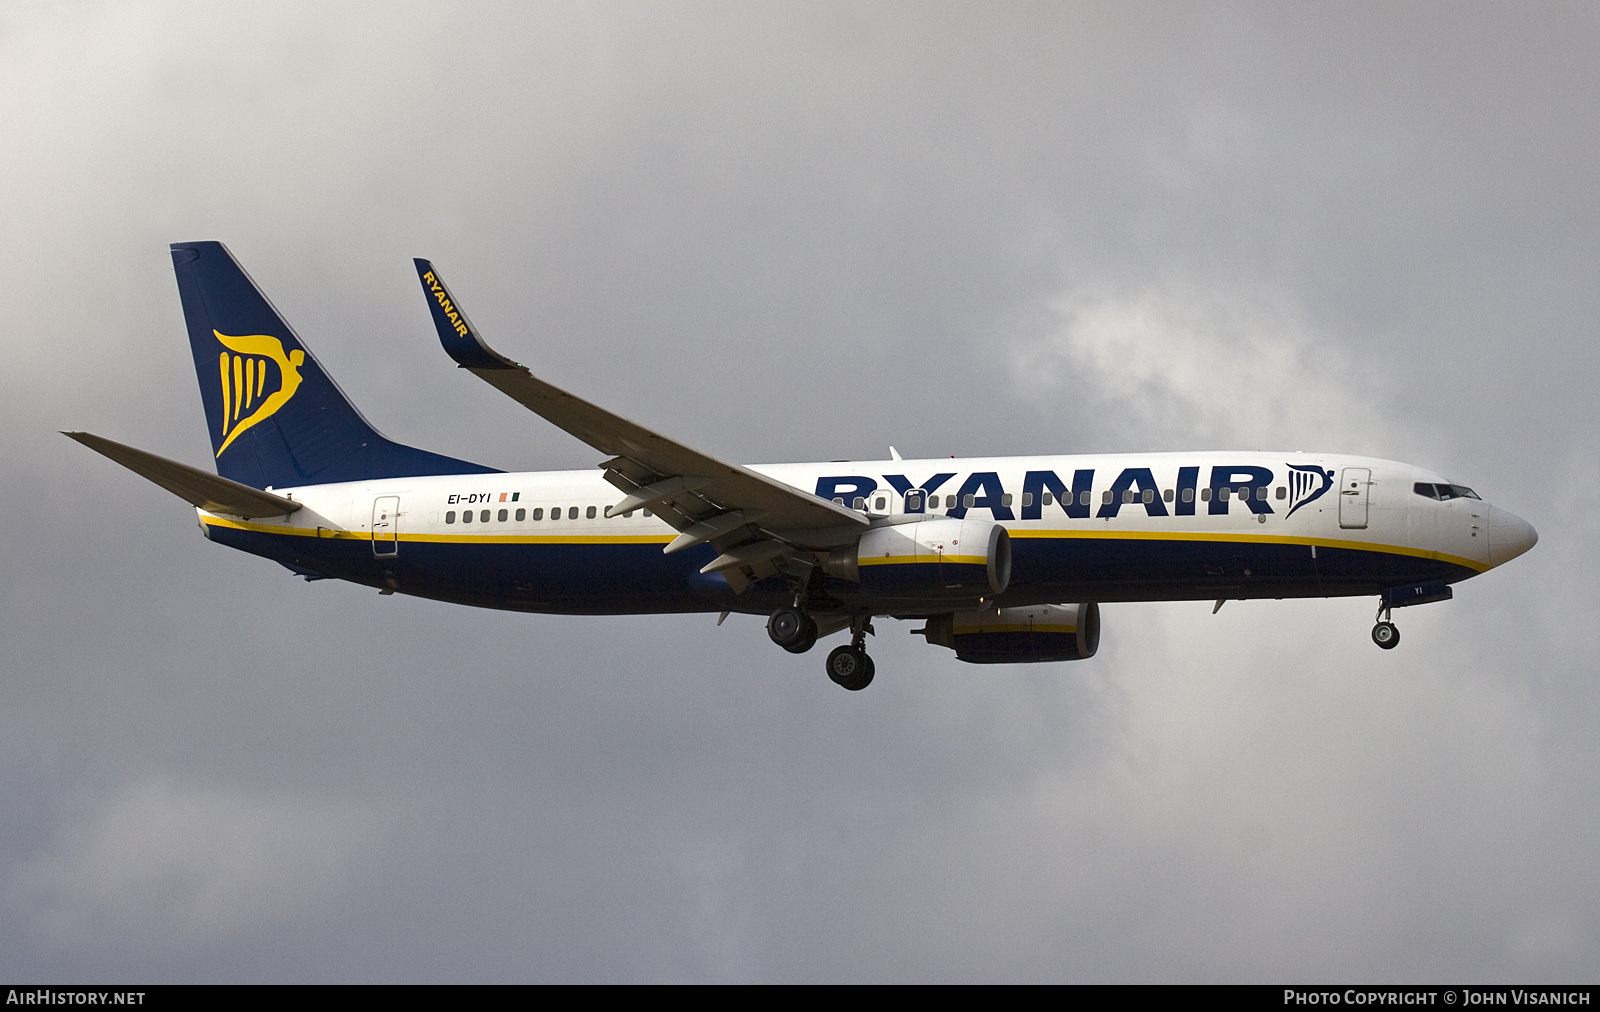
208 491
693 491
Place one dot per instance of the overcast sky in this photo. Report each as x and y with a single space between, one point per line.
794 232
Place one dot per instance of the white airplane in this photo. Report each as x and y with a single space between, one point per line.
1004 559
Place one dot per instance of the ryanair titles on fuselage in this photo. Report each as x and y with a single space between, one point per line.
1256 487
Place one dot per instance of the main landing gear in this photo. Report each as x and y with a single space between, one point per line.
795 631
849 665
1384 633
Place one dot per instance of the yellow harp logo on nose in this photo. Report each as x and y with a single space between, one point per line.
244 381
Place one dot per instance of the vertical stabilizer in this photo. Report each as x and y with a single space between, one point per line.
275 418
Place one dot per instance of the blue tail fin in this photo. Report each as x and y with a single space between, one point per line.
276 418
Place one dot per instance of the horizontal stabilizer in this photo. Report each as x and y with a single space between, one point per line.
199 488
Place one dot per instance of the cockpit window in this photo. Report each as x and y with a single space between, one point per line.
1433 491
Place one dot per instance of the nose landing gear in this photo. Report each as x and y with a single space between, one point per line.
1384 633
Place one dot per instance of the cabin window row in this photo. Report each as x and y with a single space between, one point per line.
1243 492
524 515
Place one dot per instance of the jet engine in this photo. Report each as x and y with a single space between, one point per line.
943 559
1046 632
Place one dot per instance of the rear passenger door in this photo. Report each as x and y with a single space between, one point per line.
385 525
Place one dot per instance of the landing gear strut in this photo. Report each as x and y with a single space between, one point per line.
792 629
850 666
1384 633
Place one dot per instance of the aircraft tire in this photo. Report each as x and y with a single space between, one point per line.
788 626
807 641
850 667
1386 635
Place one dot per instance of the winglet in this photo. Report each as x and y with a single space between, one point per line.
457 334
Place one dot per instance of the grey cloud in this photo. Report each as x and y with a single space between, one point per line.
159 865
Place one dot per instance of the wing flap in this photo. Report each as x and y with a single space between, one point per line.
210 492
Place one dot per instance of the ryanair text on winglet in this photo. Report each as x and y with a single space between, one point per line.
444 303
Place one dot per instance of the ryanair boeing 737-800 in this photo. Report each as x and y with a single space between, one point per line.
1003 559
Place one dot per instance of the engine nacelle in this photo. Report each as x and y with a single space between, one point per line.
943 559
1046 632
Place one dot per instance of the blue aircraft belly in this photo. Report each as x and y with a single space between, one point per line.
635 578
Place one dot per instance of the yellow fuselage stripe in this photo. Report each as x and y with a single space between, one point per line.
925 560
975 560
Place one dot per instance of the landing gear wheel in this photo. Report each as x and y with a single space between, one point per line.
850 667
807 641
788 627
1386 635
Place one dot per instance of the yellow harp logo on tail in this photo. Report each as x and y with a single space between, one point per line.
244 381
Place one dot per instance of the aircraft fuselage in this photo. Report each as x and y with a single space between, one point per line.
1106 528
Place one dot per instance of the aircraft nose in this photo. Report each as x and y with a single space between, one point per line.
1509 536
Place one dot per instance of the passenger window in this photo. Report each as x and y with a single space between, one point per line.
538 512
522 515
555 513
466 516
1105 497
589 513
881 504
504 515
1027 498
1167 495
1188 495
968 500
1283 493
572 512
1149 495
450 517
629 514
1044 498
483 515
1083 498
858 503
1205 495
838 500
1223 493
647 513
1261 493
1005 500
1127 495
